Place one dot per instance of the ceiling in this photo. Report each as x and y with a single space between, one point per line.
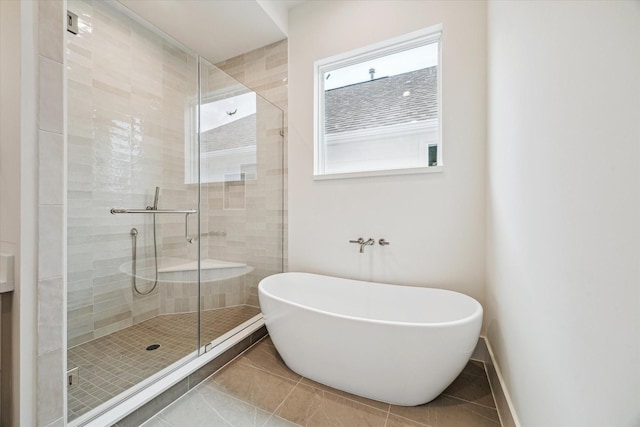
218 29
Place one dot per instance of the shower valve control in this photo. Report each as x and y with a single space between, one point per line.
363 243
383 242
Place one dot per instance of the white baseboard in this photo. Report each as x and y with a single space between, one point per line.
504 404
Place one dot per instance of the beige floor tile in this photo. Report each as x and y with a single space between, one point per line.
311 407
260 380
114 363
276 421
255 386
157 421
208 407
195 410
370 402
447 411
374 403
264 356
396 421
475 367
473 389
267 340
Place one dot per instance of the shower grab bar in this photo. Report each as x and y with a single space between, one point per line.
153 211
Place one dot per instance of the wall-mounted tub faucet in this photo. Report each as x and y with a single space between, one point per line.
363 243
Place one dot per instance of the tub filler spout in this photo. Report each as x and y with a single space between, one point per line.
363 243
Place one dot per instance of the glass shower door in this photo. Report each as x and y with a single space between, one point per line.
175 206
132 299
241 172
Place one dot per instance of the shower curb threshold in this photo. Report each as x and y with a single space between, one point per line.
124 414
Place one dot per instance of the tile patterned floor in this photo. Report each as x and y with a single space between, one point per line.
112 364
257 389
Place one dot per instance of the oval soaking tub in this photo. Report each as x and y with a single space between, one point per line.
397 344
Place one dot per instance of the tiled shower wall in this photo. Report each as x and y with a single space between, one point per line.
249 212
128 91
50 285
265 71
48 397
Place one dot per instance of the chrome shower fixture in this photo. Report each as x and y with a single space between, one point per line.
155 200
363 243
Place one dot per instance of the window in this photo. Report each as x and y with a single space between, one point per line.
378 108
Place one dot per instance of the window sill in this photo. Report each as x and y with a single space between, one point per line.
389 172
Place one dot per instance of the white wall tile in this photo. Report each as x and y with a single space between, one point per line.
51 31
147 111
57 423
51 176
50 387
50 314
120 149
51 99
50 234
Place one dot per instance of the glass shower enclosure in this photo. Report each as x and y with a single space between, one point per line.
175 206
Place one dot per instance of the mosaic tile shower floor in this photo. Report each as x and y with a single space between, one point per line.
257 389
112 364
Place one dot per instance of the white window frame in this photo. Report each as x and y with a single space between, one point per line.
397 44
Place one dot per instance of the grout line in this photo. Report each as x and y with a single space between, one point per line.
321 389
83 356
409 419
249 364
386 420
470 401
346 397
478 405
215 409
282 403
159 413
164 421
225 365
266 371
201 384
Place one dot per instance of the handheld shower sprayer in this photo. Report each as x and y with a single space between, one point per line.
155 201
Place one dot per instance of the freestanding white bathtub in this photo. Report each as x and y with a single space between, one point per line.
397 344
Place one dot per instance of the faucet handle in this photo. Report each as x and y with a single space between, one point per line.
359 241
383 242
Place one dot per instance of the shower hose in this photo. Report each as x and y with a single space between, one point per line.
134 235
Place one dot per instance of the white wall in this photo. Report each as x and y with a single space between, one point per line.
564 209
10 183
18 197
435 222
9 125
